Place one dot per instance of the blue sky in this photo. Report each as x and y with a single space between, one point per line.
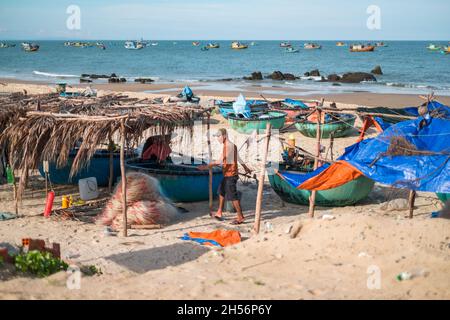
226 19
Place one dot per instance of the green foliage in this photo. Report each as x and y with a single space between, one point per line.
91 270
39 263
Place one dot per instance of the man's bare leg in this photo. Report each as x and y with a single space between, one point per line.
237 206
221 204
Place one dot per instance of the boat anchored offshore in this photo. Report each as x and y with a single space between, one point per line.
285 44
212 45
291 50
30 47
312 46
340 44
134 45
361 48
196 43
381 44
433 47
238 45
7 45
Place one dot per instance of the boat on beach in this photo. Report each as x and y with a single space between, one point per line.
30 47
134 45
293 108
257 121
312 46
256 106
179 182
238 45
361 48
344 195
339 125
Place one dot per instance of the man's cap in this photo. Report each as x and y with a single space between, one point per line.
220 132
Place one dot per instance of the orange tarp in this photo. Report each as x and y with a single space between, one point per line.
336 175
222 237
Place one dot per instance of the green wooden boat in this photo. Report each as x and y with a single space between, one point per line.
444 197
257 122
345 195
341 127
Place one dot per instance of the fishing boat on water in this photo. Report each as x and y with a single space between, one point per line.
257 121
134 45
291 50
312 46
196 43
238 45
213 45
433 47
445 50
381 44
7 45
30 47
285 45
361 48
337 125
340 44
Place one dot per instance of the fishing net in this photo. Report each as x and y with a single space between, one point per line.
145 203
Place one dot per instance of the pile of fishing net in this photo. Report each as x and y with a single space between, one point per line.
146 204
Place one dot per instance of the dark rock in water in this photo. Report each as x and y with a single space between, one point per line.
277 75
307 74
357 77
289 76
94 76
231 79
314 73
85 75
113 75
377 70
113 80
85 80
255 76
333 77
336 84
122 80
143 80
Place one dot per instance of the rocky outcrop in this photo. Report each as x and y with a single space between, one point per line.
333 77
143 80
94 76
278 75
289 76
357 77
116 80
257 75
377 70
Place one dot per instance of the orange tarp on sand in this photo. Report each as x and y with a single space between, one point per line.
222 237
336 175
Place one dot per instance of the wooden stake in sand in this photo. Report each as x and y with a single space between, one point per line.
261 181
208 136
312 198
124 179
412 199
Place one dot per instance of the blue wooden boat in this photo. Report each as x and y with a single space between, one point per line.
179 182
256 106
98 167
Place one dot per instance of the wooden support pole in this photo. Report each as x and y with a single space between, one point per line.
124 178
210 180
261 181
111 164
16 200
312 198
412 199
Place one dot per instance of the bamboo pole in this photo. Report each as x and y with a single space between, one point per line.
124 179
412 199
210 180
261 181
111 164
312 198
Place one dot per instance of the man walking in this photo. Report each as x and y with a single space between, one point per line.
227 190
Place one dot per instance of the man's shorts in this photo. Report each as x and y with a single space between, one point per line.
228 189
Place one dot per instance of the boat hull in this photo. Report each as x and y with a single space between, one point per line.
98 167
338 128
345 195
249 125
226 110
444 197
179 183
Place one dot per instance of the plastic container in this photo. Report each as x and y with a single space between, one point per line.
88 188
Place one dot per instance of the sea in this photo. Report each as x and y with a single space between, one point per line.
408 66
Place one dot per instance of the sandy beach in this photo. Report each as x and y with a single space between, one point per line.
329 259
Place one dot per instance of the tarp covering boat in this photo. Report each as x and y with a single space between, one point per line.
412 154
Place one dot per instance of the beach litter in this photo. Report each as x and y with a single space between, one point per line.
328 217
395 205
219 238
406 275
146 205
7 216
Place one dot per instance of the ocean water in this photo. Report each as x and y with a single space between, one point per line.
407 65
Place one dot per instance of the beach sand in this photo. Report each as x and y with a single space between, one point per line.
330 259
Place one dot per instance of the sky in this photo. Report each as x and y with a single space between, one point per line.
226 19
